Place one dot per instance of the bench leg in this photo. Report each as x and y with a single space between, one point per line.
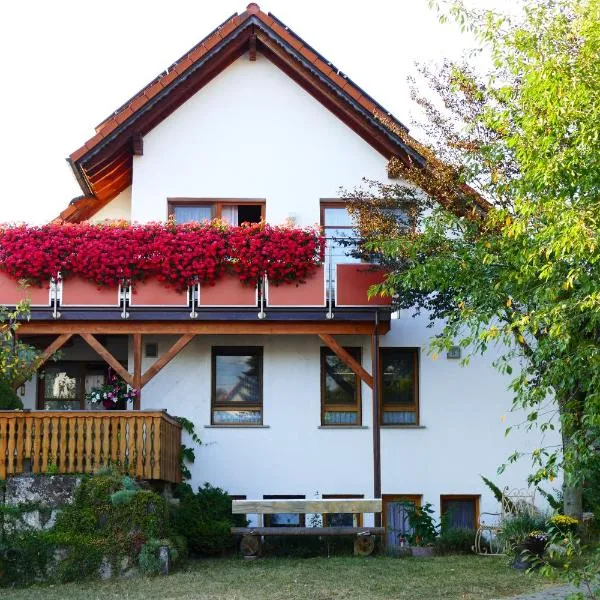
250 546
363 545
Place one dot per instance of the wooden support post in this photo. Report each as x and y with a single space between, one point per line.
166 358
347 359
137 369
56 345
252 48
376 422
108 357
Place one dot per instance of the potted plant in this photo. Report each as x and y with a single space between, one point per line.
423 527
113 395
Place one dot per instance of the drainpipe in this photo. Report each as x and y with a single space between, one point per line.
376 426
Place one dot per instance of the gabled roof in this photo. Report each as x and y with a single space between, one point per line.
103 165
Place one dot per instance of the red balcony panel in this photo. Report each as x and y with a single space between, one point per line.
79 292
12 292
155 293
311 293
228 291
352 286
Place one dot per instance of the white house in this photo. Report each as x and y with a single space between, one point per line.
254 124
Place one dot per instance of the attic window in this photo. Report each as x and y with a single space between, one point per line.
234 212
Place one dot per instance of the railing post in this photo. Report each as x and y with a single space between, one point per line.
137 369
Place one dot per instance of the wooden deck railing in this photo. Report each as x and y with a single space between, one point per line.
145 444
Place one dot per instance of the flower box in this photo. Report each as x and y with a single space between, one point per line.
309 293
155 293
12 292
227 291
79 292
352 285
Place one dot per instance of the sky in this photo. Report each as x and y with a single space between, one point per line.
67 64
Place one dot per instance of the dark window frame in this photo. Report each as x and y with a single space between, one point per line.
216 204
325 352
82 367
475 498
415 406
301 516
326 516
235 351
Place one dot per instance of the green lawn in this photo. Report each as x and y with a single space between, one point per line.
454 577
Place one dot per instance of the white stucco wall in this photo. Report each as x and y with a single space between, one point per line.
117 208
252 132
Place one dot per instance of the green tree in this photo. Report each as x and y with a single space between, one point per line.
18 361
508 251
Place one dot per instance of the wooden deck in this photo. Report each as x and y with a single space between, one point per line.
144 444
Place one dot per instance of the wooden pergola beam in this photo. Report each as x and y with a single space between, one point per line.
56 345
166 358
347 359
109 358
257 327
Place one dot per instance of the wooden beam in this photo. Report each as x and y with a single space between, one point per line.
295 531
376 422
274 507
252 48
137 369
56 345
108 357
137 142
347 359
166 358
201 327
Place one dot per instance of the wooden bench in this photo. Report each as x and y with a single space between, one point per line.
250 545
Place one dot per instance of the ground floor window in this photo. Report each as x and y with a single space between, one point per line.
459 511
395 518
340 389
63 385
237 396
284 519
342 519
399 386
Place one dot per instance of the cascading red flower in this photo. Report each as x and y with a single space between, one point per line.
178 255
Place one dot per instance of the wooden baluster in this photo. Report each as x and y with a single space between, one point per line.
105 442
37 442
45 443
72 432
139 469
28 436
131 445
89 459
3 445
80 441
156 443
20 425
123 443
63 462
10 467
53 458
148 448
97 444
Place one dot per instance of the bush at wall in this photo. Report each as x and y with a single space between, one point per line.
205 519
112 521
454 541
9 400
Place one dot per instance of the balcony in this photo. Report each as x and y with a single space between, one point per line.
144 444
336 290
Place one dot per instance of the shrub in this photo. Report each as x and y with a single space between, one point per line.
205 519
9 400
454 541
516 528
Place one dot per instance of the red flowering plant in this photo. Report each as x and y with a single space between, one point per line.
178 255
36 253
189 253
284 254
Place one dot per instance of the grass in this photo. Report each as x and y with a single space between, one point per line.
381 578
